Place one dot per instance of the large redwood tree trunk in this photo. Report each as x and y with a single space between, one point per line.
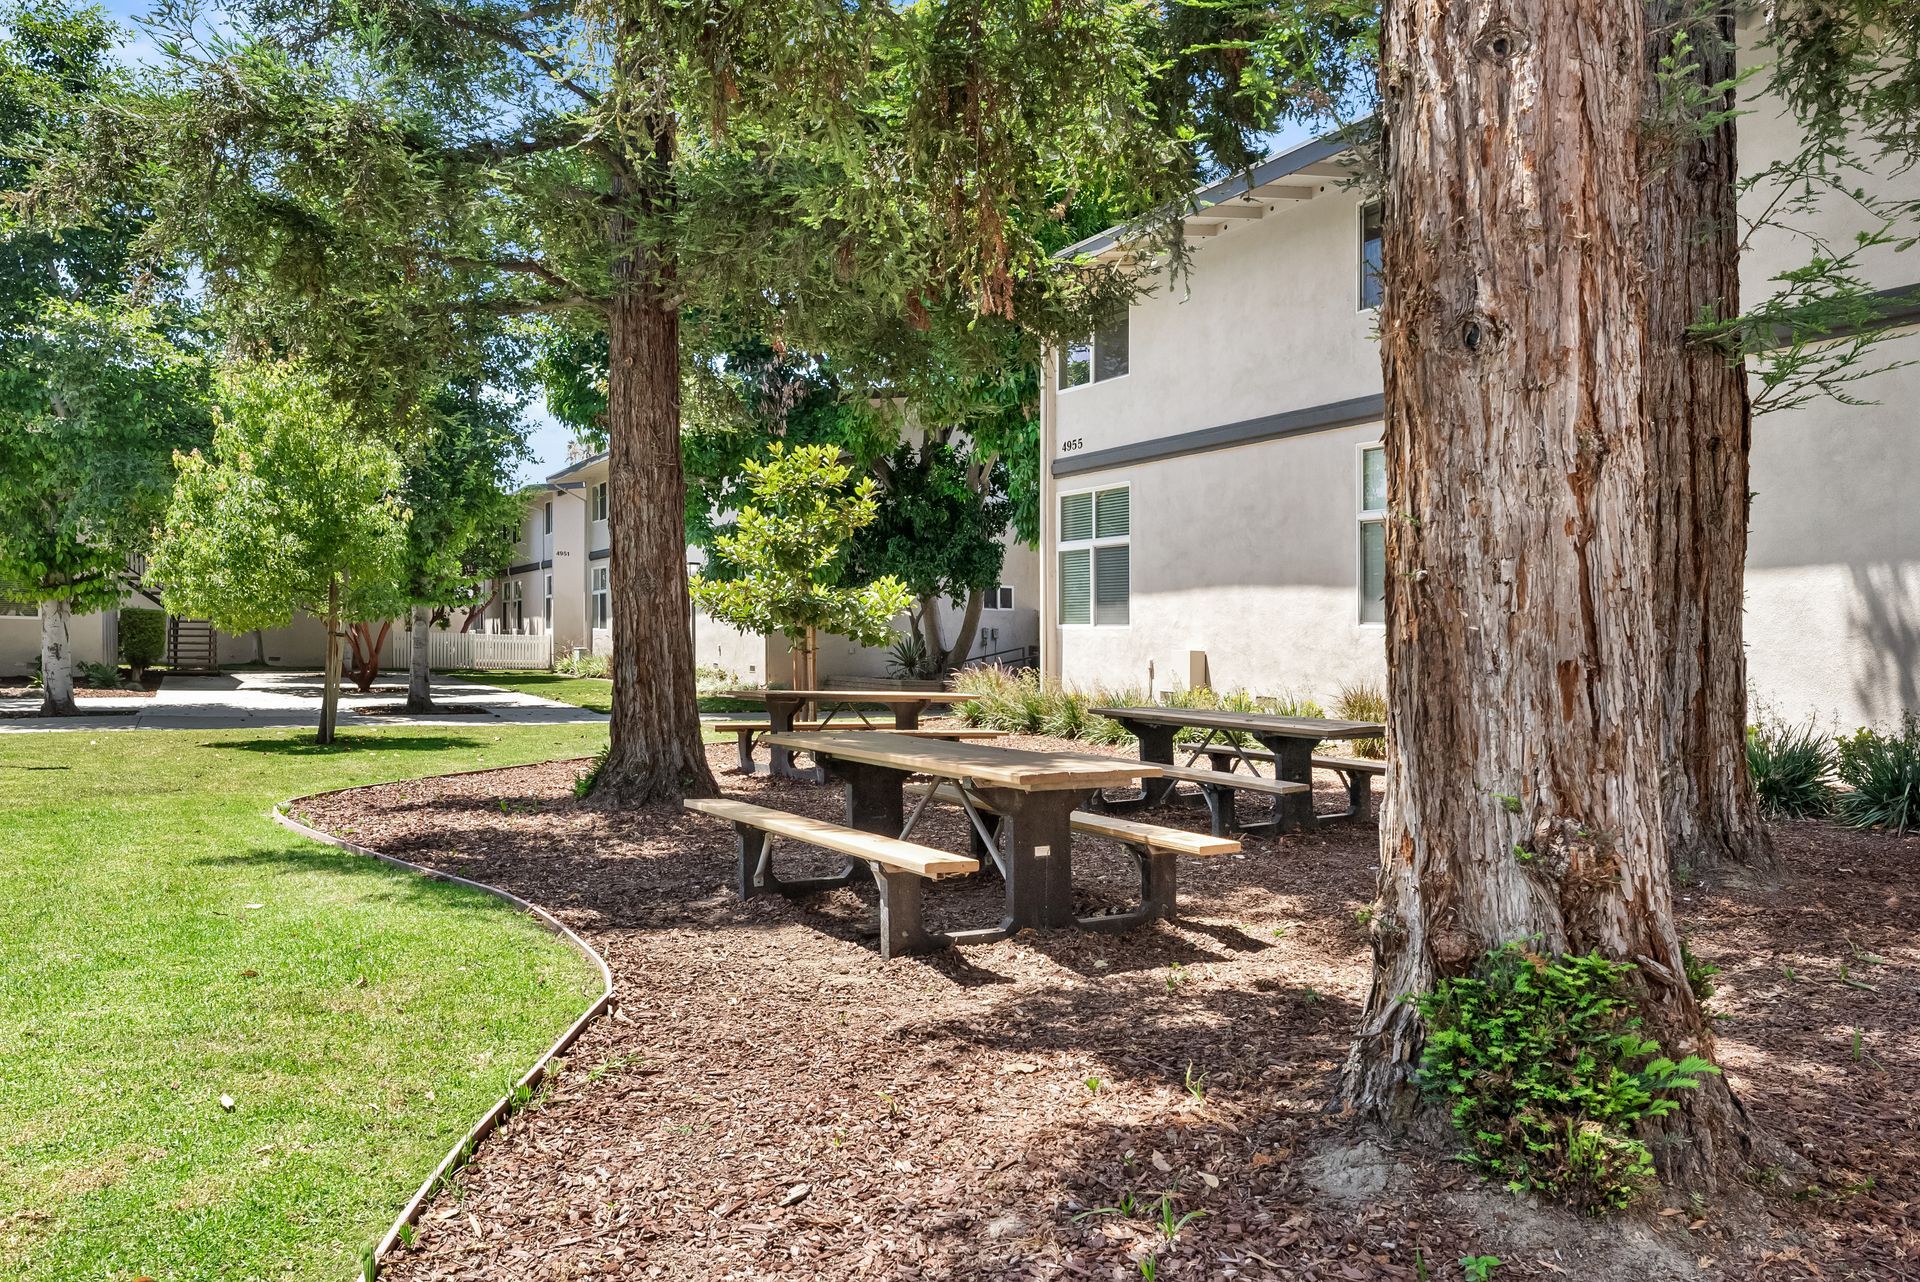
1695 401
1526 679
656 754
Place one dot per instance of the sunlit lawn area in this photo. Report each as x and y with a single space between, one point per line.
595 693
162 944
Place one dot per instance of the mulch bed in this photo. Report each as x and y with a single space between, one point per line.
774 1101
82 692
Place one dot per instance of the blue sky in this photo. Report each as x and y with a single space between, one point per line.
546 436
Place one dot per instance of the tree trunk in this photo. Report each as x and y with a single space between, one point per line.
366 645
655 753
419 670
1525 678
969 629
56 659
930 634
330 682
1695 402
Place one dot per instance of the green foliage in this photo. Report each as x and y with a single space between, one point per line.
584 785
459 488
1363 702
909 659
786 554
1541 1064
294 499
1479 1268
1882 774
143 637
1699 974
1792 768
939 522
586 665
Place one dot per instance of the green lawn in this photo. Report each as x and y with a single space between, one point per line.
595 693
162 944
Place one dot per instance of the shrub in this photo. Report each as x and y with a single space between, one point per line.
910 660
583 786
1363 702
586 665
143 638
1792 768
1883 773
1541 1063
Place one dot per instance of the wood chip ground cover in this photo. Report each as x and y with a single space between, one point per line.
774 1101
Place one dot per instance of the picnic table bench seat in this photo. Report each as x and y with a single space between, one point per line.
1356 772
1218 786
1154 848
898 866
746 732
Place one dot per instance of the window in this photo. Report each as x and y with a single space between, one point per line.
513 608
602 598
1096 572
1370 256
1101 358
1000 598
1373 535
547 528
546 613
597 501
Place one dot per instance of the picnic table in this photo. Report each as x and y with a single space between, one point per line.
783 706
1290 740
1034 795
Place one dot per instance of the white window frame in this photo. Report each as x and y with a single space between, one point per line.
1093 360
546 520
1360 256
1093 544
597 501
1366 516
600 593
1001 598
513 607
546 603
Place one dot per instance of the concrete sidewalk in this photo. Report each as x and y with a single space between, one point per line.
267 699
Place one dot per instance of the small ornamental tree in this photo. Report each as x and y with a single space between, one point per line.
296 510
783 570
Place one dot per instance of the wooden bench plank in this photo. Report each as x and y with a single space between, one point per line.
808 727
1359 765
1239 783
906 856
1171 840
984 765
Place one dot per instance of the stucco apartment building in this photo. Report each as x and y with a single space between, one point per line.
1213 490
562 582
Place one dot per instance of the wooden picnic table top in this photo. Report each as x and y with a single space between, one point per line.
853 696
979 763
1255 723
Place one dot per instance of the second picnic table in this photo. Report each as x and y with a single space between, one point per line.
1033 793
1291 740
784 705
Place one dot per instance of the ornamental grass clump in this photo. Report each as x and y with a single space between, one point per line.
1543 1068
1363 702
1792 768
1882 773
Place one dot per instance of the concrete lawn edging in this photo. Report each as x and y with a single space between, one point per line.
528 1082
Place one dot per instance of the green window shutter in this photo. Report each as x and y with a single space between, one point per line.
1076 517
1113 517
1076 585
1112 583
1373 572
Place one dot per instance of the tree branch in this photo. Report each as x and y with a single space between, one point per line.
490 150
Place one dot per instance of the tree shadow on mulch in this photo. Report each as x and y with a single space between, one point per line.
343 742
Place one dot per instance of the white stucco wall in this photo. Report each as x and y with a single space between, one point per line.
92 637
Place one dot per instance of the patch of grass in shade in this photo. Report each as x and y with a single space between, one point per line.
593 693
163 943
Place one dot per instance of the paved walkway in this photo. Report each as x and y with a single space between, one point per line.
239 700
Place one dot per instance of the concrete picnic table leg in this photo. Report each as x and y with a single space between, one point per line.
780 714
1156 746
875 802
906 716
1038 828
1293 762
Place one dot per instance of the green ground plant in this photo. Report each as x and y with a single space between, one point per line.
1882 774
162 943
1792 768
1363 701
143 638
1541 1062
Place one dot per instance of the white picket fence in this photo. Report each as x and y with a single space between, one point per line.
483 651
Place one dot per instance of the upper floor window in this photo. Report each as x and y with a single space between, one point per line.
1102 357
1373 535
597 501
1096 556
547 520
1370 261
